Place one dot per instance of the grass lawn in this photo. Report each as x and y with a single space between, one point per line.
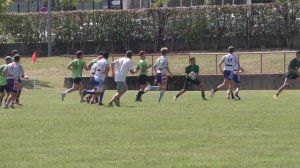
257 131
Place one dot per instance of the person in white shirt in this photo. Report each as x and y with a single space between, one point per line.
13 72
100 69
161 67
229 60
120 69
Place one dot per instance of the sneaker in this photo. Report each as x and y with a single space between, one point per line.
5 106
138 100
63 95
12 106
237 97
82 96
212 93
275 96
110 105
174 98
117 103
204 98
100 104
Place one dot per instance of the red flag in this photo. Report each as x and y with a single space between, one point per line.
33 57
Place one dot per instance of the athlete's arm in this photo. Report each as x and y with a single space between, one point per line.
69 67
107 68
220 64
90 64
112 65
137 69
85 67
169 71
292 69
242 69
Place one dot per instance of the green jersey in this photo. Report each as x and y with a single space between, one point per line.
190 68
143 67
3 80
77 67
295 65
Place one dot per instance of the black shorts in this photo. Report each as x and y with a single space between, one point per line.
292 76
143 79
189 82
76 81
4 88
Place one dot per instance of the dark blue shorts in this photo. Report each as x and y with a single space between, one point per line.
228 75
77 81
4 88
236 78
161 78
13 85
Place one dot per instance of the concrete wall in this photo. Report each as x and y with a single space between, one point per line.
248 82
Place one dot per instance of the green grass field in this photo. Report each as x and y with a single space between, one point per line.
257 131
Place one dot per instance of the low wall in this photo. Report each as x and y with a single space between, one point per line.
248 82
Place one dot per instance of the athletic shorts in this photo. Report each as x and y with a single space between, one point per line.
92 82
143 79
292 76
228 75
121 86
77 81
236 78
189 82
13 85
99 86
4 88
161 78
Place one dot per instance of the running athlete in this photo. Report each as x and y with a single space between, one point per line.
13 72
236 81
293 73
76 66
101 69
143 81
229 62
3 79
192 74
161 67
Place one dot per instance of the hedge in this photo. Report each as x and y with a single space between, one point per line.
192 24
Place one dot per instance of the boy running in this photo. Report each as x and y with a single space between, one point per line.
192 74
293 73
143 81
229 61
120 69
236 80
13 72
76 66
101 69
161 67
3 79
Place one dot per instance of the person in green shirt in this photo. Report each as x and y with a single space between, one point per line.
76 66
292 74
142 68
3 80
192 72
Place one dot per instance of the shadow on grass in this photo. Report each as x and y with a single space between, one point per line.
29 84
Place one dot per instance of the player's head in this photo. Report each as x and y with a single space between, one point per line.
14 52
164 50
230 49
193 60
17 58
79 54
142 55
99 54
129 54
105 55
8 59
298 55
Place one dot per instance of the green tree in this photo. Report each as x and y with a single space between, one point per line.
4 5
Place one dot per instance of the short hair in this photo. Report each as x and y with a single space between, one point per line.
78 53
142 53
164 50
100 53
230 49
8 58
192 58
17 57
14 52
129 53
105 55
298 52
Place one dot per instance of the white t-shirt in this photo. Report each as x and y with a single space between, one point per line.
161 64
122 67
99 69
230 60
14 70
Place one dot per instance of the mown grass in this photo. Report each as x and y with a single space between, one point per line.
257 131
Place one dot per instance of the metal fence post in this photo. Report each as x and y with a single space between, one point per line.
152 64
216 64
261 64
284 62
